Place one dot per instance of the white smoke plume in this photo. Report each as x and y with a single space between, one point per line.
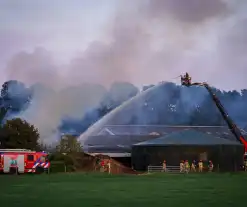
145 42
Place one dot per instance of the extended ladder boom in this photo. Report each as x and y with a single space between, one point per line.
232 126
186 81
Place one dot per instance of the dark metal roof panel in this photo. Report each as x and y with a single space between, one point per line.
188 137
120 130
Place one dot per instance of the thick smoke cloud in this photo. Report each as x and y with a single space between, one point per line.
191 11
49 107
35 67
150 41
146 42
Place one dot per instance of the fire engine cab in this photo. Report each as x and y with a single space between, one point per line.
22 161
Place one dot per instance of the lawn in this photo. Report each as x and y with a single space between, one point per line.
87 190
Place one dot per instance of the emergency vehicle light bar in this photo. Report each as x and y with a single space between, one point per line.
15 150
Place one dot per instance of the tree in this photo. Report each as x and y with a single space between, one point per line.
3 112
14 98
69 151
69 144
15 95
18 133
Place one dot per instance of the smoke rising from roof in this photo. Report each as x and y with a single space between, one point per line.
145 42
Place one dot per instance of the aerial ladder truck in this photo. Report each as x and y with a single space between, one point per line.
186 81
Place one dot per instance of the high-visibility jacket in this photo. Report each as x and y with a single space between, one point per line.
245 165
109 166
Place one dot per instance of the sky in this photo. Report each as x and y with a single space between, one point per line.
63 27
62 43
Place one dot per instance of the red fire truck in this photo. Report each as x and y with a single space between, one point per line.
22 161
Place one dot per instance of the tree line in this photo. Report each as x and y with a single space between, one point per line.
169 104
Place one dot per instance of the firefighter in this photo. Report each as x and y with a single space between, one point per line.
193 166
97 163
182 166
200 166
102 165
245 165
109 166
187 166
187 79
164 166
210 166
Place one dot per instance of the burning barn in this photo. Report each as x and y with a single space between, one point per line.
113 135
144 145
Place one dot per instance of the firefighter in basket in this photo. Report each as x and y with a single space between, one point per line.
164 166
186 79
210 166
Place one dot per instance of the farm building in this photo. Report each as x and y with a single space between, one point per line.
117 140
190 144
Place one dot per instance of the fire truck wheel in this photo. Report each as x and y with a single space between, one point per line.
39 170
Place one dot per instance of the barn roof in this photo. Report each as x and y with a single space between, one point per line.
187 137
137 130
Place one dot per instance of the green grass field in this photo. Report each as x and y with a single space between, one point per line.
89 190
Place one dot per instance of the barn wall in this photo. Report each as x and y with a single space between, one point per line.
228 158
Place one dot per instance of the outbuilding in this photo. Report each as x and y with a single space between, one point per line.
189 144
